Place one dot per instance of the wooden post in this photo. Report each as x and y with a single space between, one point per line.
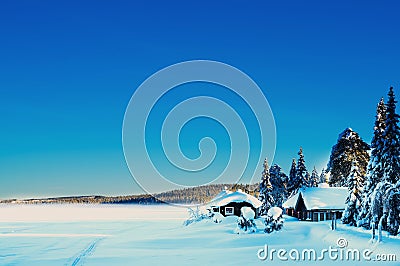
335 220
333 226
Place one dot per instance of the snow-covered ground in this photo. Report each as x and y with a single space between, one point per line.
154 235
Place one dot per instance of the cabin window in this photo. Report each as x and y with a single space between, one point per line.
215 209
229 210
328 216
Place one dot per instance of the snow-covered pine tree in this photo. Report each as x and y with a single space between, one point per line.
274 220
299 176
245 223
292 179
391 167
323 177
278 181
314 178
285 183
265 190
391 146
355 183
307 180
349 148
378 219
375 170
302 175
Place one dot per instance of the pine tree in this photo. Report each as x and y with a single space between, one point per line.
391 167
314 178
391 146
375 170
278 182
355 183
381 207
292 179
285 184
299 176
349 148
323 177
377 143
265 188
376 209
302 176
307 180
274 220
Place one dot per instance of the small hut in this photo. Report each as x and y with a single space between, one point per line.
230 203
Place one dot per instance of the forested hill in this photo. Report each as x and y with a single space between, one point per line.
193 195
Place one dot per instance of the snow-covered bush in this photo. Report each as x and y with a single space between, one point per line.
217 217
198 214
274 220
245 223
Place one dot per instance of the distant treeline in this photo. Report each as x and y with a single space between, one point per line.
193 195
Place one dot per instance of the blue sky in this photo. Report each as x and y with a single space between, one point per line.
68 70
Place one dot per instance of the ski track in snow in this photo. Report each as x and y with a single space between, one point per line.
156 239
79 260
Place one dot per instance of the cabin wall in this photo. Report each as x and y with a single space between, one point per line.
315 215
237 208
326 215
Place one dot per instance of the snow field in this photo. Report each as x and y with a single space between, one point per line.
154 235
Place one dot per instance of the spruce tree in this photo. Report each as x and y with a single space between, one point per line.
391 167
314 178
302 176
349 148
375 170
381 207
285 184
307 180
278 182
355 183
391 145
299 176
265 190
292 178
322 177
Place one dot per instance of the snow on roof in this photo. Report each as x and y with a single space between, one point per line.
320 198
291 202
238 196
222 194
323 185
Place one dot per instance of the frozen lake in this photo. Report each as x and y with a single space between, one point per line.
154 235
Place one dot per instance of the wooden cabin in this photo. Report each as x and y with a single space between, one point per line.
230 203
317 203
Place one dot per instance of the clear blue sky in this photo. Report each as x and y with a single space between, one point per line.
69 68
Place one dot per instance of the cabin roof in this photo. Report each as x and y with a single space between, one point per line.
320 198
238 196
222 194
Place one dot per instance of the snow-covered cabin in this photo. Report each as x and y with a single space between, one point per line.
317 203
230 203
